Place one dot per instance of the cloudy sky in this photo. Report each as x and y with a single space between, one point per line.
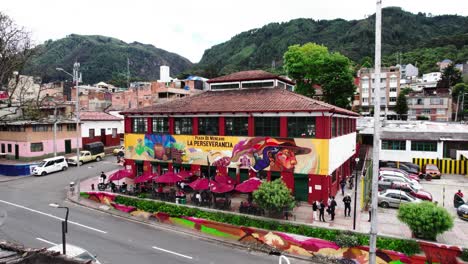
190 27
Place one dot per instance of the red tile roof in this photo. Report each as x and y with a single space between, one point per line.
249 76
98 116
241 100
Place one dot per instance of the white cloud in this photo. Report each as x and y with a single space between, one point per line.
190 27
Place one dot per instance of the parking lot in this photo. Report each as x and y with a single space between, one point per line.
442 191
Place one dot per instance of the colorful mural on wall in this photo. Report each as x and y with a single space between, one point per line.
297 155
285 242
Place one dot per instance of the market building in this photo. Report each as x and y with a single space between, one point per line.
244 131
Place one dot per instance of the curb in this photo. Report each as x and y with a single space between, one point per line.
185 231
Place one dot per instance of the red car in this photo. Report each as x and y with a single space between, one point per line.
408 175
431 170
421 194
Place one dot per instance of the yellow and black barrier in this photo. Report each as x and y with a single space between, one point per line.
446 166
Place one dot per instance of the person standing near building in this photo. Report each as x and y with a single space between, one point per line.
332 207
315 206
322 211
343 185
347 205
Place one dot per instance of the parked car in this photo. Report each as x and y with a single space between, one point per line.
117 150
412 165
409 175
393 198
398 174
76 253
390 179
462 211
420 194
50 165
399 165
92 152
432 171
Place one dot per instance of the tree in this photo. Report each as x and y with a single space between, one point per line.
426 220
274 197
401 107
458 89
450 77
313 64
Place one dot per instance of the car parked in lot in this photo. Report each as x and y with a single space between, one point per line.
399 165
462 211
420 194
409 175
394 178
76 253
431 170
50 165
394 198
398 174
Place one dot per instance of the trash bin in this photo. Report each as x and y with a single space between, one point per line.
183 200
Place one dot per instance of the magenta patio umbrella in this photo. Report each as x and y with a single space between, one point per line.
217 187
120 174
169 177
200 184
249 185
146 176
224 179
185 174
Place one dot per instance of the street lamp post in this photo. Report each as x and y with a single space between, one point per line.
64 226
76 80
355 192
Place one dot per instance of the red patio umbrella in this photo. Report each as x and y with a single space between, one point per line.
224 179
120 174
200 184
249 185
146 176
185 174
217 187
169 177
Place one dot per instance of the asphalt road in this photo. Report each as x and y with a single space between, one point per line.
32 222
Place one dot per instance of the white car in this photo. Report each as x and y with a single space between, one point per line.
405 178
50 165
75 252
393 198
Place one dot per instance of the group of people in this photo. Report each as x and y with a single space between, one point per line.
330 207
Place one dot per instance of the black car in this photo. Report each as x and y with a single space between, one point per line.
412 165
401 166
462 211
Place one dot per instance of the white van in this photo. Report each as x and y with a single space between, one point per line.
50 165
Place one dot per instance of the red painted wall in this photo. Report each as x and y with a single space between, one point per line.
128 125
323 127
171 125
110 141
251 126
221 126
283 126
150 124
316 181
288 179
195 126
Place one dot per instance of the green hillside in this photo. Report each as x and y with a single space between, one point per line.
402 32
103 59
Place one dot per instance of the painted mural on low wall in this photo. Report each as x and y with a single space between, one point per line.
285 242
297 155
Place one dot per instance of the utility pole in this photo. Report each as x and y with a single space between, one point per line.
458 108
128 72
76 78
376 145
55 130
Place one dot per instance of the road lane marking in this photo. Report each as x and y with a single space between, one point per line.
172 252
47 241
53 216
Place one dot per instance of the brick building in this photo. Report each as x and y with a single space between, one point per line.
268 132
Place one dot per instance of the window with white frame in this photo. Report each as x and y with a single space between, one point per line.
365 100
426 111
441 111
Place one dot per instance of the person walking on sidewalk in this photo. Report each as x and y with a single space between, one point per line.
347 205
328 204
343 185
322 211
332 208
315 206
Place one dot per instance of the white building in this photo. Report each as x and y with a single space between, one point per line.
432 77
101 126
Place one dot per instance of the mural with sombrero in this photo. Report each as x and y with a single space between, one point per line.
296 155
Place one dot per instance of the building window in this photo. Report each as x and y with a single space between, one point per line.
183 126
160 125
91 133
301 127
365 100
365 90
426 111
140 125
224 86
441 111
208 126
267 126
71 127
37 147
419 101
114 132
236 126
333 127
424 146
436 101
393 89
40 128
257 84
392 99
394 144
9 148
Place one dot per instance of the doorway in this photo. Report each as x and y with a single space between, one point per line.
68 148
16 151
103 136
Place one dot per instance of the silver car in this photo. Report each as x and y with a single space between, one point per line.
393 198
396 178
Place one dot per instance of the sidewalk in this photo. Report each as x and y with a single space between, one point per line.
388 224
